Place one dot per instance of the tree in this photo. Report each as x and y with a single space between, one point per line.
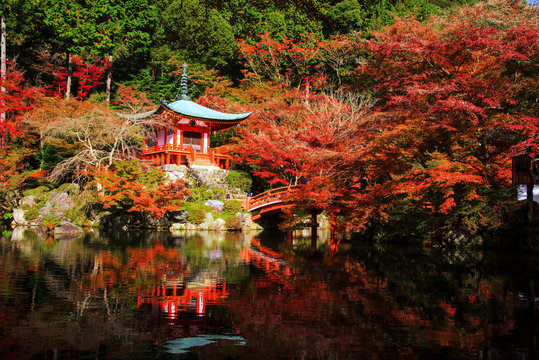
453 104
130 186
97 135
105 29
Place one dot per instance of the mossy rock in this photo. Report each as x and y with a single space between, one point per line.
69 188
31 215
40 193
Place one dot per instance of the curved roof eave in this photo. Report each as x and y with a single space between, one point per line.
192 109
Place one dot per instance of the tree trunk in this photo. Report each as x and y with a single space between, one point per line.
109 78
3 61
69 75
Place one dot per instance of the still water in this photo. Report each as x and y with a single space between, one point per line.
260 296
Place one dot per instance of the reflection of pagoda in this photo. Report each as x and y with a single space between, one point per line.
182 307
188 143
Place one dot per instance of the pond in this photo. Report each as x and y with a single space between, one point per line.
260 296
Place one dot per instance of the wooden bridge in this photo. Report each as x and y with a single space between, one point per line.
271 201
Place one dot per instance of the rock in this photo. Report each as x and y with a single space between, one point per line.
218 224
169 167
177 227
18 217
245 219
215 205
56 205
28 202
178 216
68 229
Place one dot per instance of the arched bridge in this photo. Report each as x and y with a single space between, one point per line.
270 201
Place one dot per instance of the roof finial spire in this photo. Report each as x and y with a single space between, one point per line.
184 95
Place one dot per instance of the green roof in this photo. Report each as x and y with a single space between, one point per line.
192 109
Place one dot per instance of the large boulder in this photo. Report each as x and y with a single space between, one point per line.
67 229
56 205
177 216
216 205
18 218
218 224
28 202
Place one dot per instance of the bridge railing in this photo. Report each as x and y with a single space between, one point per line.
268 197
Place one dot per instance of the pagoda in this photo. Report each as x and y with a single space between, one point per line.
188 143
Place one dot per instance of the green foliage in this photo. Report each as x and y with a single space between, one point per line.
39 193
196 211
233 223
69 188
8 216
75 215
133 171
232 207
240 179
31 214
203 194
196 217
51 222
347 16
198 33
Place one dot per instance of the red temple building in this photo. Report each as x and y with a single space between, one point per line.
188 143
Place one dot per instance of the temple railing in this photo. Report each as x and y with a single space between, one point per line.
158 153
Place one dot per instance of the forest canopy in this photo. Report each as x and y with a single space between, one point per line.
409 111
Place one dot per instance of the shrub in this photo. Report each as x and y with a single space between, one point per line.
202 194
31 214
216 193
233 223
196 217
232 207
51 222
240 179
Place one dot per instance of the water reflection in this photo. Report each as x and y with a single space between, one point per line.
216 295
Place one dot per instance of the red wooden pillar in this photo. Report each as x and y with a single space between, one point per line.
144 144
181 139
167 158
162 159
175 139
227 163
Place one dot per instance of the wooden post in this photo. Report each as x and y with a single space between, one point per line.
175 139
144 144
227 163
181 139
167 161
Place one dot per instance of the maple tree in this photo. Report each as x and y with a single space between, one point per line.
134 187
87 73
15 100
451 108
